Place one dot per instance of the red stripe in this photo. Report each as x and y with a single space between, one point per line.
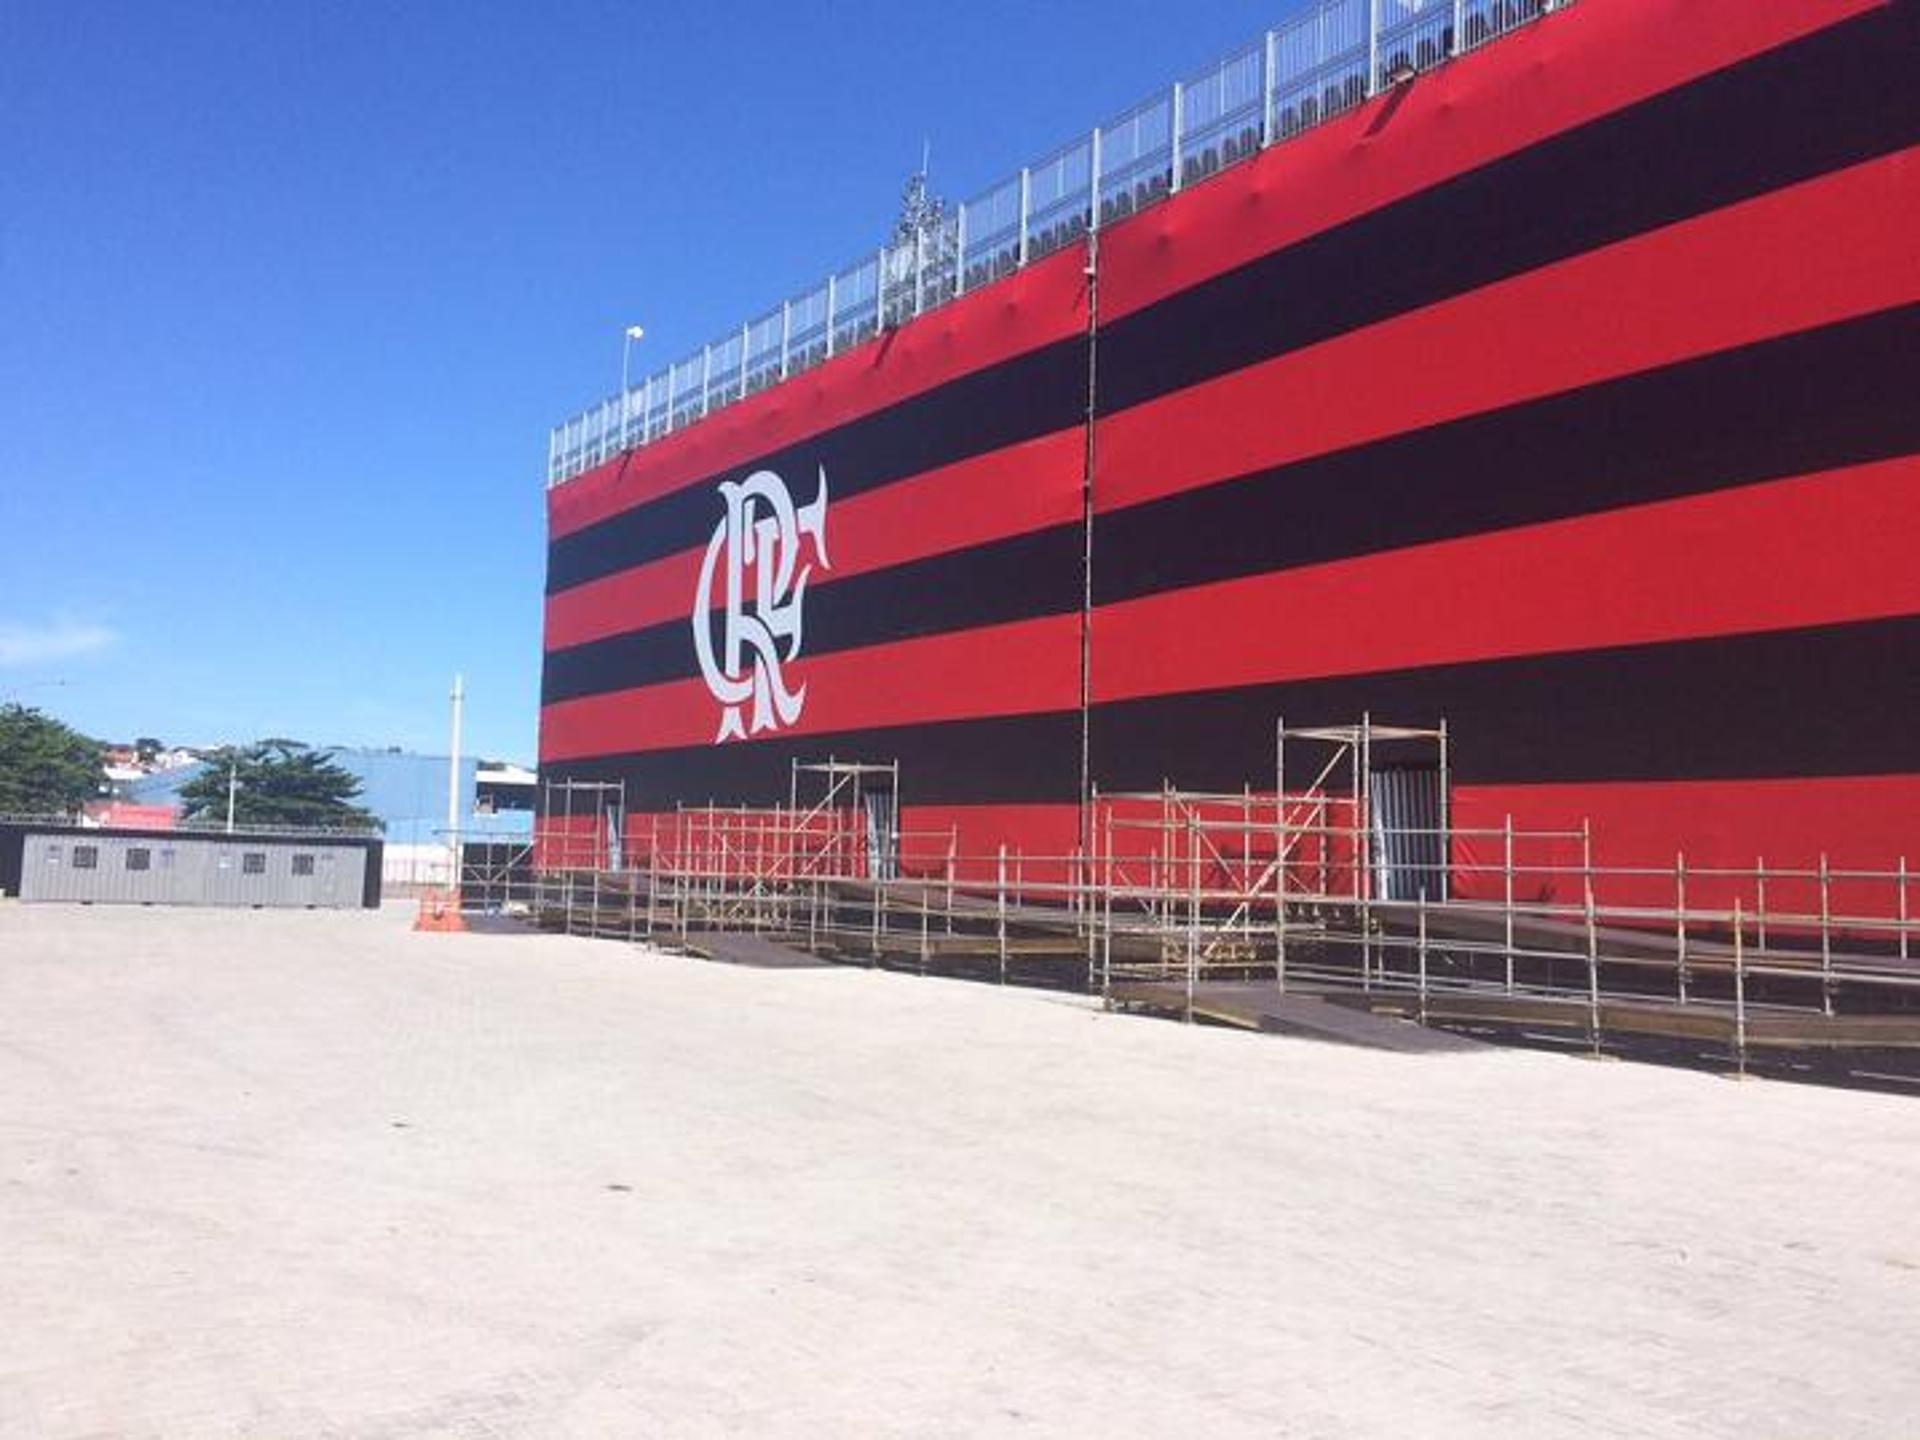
1585 62
972 502
1034 307
1685 290
1858 822
1820 549
1033 835
1803 256
1022 668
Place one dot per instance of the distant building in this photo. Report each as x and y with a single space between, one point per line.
407 794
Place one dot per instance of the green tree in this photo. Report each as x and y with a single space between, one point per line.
275 782
46 768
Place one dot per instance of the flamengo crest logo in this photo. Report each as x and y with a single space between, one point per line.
759 624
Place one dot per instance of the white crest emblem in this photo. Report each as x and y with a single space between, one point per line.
761 531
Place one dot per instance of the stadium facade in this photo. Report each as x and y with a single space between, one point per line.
1546 370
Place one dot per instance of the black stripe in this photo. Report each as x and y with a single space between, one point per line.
1839 97
1817 400
1034 758
1827 700
1020 399
1019 578
1813 401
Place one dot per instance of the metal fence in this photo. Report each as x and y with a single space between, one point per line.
1188 902
1296 76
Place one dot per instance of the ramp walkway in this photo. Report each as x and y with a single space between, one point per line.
732 947
1257 1005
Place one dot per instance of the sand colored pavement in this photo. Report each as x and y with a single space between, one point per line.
291 1174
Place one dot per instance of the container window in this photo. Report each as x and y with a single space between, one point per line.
86 857
139 858
253 862
303 864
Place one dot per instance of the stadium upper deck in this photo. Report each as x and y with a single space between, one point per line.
1298 75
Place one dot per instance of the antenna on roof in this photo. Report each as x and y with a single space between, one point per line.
921 211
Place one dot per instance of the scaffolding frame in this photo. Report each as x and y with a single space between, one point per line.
1183 891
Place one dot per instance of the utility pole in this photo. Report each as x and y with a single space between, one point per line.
233 787
453 790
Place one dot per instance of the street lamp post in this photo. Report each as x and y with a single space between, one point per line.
634 332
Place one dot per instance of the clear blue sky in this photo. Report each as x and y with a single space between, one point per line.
291 293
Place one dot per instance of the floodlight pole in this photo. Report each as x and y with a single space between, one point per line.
233 785
453 789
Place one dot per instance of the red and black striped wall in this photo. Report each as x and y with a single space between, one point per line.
1567 392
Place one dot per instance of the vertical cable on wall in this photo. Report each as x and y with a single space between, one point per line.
1092 273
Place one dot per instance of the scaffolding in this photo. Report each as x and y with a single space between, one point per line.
1351 877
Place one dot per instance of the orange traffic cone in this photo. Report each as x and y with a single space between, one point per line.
439 910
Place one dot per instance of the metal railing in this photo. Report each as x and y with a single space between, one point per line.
1298 75
1189 900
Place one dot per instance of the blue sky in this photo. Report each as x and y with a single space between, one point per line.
290 295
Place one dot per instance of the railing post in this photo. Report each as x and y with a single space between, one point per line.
1680 920
832 285
1739 989
1093 180
1088 865
1026 202
1000 910
706 378
1760 900
1826 937
813 914
1446 814
1593 972
1459 26
1193 911
746 331
1176 134
1586 851
1266 90
1423 954
1279 894
1106 919
653 870
1902 909
1507 868
786 336
960 249
1373 46
879 289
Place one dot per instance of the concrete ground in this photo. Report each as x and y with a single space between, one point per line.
312 1174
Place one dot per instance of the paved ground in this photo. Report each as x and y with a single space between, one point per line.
304 1174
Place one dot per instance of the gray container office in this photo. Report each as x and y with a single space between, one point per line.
185 868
